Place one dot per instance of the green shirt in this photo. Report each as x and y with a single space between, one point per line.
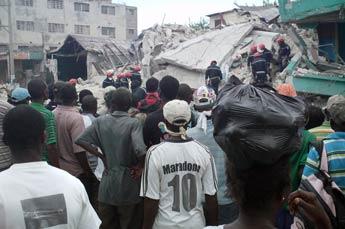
322 131
50 130
299 158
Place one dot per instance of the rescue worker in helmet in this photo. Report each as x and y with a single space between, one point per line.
283 53
213 76
250 58
259 69
267 54
109 81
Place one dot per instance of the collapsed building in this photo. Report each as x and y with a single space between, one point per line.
85 56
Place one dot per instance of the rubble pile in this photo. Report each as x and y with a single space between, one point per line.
158 39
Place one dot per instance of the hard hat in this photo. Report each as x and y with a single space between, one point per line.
280 40
73 82
110 73
136 68
261 48
253 49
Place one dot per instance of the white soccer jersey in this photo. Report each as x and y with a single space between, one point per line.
179 174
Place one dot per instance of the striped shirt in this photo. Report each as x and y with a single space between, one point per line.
5 154
335 150
322 131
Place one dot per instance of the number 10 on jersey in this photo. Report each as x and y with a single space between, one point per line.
189 192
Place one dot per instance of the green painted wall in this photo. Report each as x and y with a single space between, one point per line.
294 10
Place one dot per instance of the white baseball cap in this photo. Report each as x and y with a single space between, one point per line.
177 112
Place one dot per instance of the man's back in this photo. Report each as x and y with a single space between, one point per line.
35 195
152 133
213 71
120 139
178 174
70 125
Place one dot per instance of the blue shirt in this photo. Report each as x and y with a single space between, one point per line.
335 150
219 158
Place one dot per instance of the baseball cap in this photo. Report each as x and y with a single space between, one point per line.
335 108
204 98
19 94
177 112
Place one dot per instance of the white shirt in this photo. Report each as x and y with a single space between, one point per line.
37 195
179 174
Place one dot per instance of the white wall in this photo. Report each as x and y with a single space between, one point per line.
230 18
41 15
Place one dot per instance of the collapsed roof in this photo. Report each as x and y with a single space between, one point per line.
103 53
267 13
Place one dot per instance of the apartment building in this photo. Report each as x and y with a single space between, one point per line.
46 23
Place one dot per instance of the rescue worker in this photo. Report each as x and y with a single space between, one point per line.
213 76
283 53
267 54
109 81
259 69
250 58
135 75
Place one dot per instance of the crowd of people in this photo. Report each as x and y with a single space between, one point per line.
151 159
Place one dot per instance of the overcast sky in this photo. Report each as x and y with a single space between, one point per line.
179 11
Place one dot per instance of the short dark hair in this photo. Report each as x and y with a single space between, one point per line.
23 128
37 88
168 87
68 94
56 90
121 99
185 93
152 84
316 117
84 93
258 187
89 104
214 62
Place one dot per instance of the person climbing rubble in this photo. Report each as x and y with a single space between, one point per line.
213 76
259 69
250 58
283 53
267 54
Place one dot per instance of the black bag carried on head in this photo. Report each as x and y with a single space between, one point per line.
327 192
254 125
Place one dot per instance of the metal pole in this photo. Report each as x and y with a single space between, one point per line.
10 44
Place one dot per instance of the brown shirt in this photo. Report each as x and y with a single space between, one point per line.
69 125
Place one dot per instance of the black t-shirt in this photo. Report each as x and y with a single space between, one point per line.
152 133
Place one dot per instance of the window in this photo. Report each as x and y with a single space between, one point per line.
23 48
55 4
108 31
82 29
217 23
26 25
131 11
78 6
108 10
131 31
24 3
3 48
56 28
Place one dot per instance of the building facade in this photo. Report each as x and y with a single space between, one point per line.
46 23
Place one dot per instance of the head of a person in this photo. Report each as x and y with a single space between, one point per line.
68 95
57 91
108 94
89 104
38 90
152 85
23 129
315 117
213 63
185 93
253 49
110 74
335 112
73 82
121 99
204 99
261 48
136 68
280 41
19 96
84 93
270 182
168 87
177 115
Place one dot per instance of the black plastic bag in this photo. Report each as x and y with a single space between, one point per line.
256 126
